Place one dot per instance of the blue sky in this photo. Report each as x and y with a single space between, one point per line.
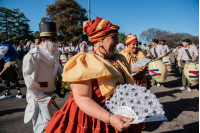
133 16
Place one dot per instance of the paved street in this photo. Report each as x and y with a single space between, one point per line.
181 107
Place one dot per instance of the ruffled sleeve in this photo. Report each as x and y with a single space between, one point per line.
90 66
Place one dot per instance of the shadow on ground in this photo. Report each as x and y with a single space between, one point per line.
173 110
11 111
189 128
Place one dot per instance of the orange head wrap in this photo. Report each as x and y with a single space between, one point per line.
99 29
131 39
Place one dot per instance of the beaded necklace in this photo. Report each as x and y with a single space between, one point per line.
134 59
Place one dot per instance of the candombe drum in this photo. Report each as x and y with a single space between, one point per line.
168 63
191 71
157 70
63 59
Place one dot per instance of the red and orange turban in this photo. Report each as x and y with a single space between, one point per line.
131 39
99 29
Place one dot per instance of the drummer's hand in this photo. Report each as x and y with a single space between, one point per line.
119 122
179 64
157 58
194 59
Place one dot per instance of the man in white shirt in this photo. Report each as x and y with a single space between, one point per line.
37 42
40 69
90 46
166 48
188 52
157 52
143 47
71 50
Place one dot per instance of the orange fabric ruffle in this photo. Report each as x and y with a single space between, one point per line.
99 29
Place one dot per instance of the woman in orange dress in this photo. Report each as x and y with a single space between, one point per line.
132 55
93 78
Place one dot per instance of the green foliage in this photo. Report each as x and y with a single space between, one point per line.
65 85
14 23
122 37
69 16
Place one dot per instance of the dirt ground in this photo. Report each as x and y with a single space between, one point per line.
181 108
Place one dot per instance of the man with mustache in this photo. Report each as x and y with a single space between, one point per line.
40 69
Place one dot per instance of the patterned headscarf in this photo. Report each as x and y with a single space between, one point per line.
131 39
99 29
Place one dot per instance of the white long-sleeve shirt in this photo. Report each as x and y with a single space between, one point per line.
166 48
159 50
182 55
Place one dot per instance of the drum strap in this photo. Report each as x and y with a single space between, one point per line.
188 53
155 52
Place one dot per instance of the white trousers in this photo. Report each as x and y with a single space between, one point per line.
41 117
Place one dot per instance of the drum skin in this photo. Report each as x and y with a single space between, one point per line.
63 59
157 71
168 63
189 72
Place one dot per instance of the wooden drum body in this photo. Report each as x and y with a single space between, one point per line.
157 70
63 59
168 63
191 71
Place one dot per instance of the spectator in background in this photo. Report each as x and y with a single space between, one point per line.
64 49
20 51
28 44
90 46
139 44
37 42
25 49
83 47
71 50
142 46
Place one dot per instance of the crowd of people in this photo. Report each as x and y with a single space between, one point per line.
97 67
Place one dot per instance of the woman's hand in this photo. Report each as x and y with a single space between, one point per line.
119 122
137 69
